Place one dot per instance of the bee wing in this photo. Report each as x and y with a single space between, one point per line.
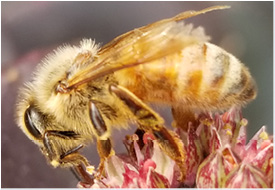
143 45
119 41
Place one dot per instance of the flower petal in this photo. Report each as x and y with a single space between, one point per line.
194 156
165 165
264 161
246 176
214 168
114 168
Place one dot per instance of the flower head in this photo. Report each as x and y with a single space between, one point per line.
146 167
231 162
216 156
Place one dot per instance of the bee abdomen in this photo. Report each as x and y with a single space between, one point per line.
211 77
233 80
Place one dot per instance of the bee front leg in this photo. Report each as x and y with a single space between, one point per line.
104 145
150 121
70 158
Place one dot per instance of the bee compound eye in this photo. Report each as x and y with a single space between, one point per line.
30 119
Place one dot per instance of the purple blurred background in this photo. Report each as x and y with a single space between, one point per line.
31 29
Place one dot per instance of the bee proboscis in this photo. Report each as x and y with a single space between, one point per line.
80 93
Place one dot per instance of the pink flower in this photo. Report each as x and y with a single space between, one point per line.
216 156
148 167
231 163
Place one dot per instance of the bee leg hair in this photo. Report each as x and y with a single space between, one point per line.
182 117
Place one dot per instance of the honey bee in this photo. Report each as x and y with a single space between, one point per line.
80 93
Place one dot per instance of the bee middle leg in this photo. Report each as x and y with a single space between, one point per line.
150 121
104 145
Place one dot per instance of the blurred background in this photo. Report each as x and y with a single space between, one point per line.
32 29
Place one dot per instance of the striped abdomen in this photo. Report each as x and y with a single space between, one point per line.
201 76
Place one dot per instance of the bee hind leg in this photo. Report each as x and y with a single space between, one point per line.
150 121
182 117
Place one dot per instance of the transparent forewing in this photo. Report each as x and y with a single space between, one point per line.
143 45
